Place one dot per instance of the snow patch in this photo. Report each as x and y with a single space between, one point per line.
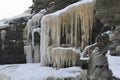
114 65
3 24
37 72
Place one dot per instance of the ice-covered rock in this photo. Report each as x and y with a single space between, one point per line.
64 57
34 22
69 27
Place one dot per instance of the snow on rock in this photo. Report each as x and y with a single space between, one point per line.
24 14
37 72
34 22
3 24
57 13
69 27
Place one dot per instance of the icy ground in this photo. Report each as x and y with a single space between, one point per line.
37 72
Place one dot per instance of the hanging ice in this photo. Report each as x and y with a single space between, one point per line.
70 27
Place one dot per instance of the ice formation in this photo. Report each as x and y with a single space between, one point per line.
36 47
32 27
28 52
34 22
64 57
70 27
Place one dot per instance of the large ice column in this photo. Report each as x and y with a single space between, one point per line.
50 37
69 27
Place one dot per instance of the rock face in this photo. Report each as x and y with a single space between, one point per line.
98 64
70 27
115 41
11 40
108 13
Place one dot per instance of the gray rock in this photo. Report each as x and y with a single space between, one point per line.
107 11
11 42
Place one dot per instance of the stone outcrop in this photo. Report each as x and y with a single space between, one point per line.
115 41
108 13
98 64
11 40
